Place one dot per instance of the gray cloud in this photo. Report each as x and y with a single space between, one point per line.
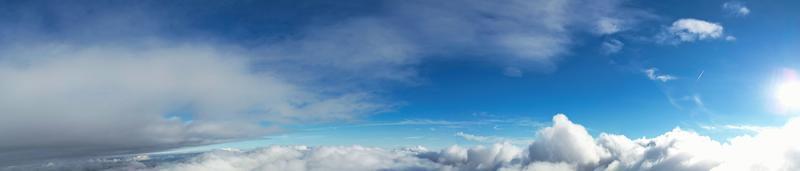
107 98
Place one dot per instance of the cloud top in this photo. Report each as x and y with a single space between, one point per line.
562 146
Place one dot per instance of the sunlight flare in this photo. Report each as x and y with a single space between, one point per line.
787 92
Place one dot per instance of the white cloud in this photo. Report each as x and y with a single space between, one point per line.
652 75
730 38
736 8
750 128
563 146
297 158
690 29
612 46
565 141
491 139
609 26
389 46
477 138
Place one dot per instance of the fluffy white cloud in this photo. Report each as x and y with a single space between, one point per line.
563 146
565 141
652 75
736 8
690 29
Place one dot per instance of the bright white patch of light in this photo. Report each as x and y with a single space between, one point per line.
788 95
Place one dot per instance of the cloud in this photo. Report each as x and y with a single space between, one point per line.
749 128
390 45
304 158
736 8
690 29
491 139
652 75
103 99
608 26
565 141
482 122
563 146
477 138
79 81
611 46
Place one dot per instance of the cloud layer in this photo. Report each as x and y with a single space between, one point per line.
562 146
79 80
105 98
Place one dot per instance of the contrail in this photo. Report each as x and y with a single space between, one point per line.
701 74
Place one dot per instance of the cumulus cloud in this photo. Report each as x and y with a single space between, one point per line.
736 8
653 75
690 29
562 146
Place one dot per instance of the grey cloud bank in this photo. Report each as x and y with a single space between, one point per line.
105 99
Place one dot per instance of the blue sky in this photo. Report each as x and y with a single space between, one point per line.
117 78
605 92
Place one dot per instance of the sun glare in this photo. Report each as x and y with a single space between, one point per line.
787 93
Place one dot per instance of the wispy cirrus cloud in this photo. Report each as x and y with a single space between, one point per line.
736 8
492 139
611 46
652 74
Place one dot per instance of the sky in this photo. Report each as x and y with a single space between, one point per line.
410 85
